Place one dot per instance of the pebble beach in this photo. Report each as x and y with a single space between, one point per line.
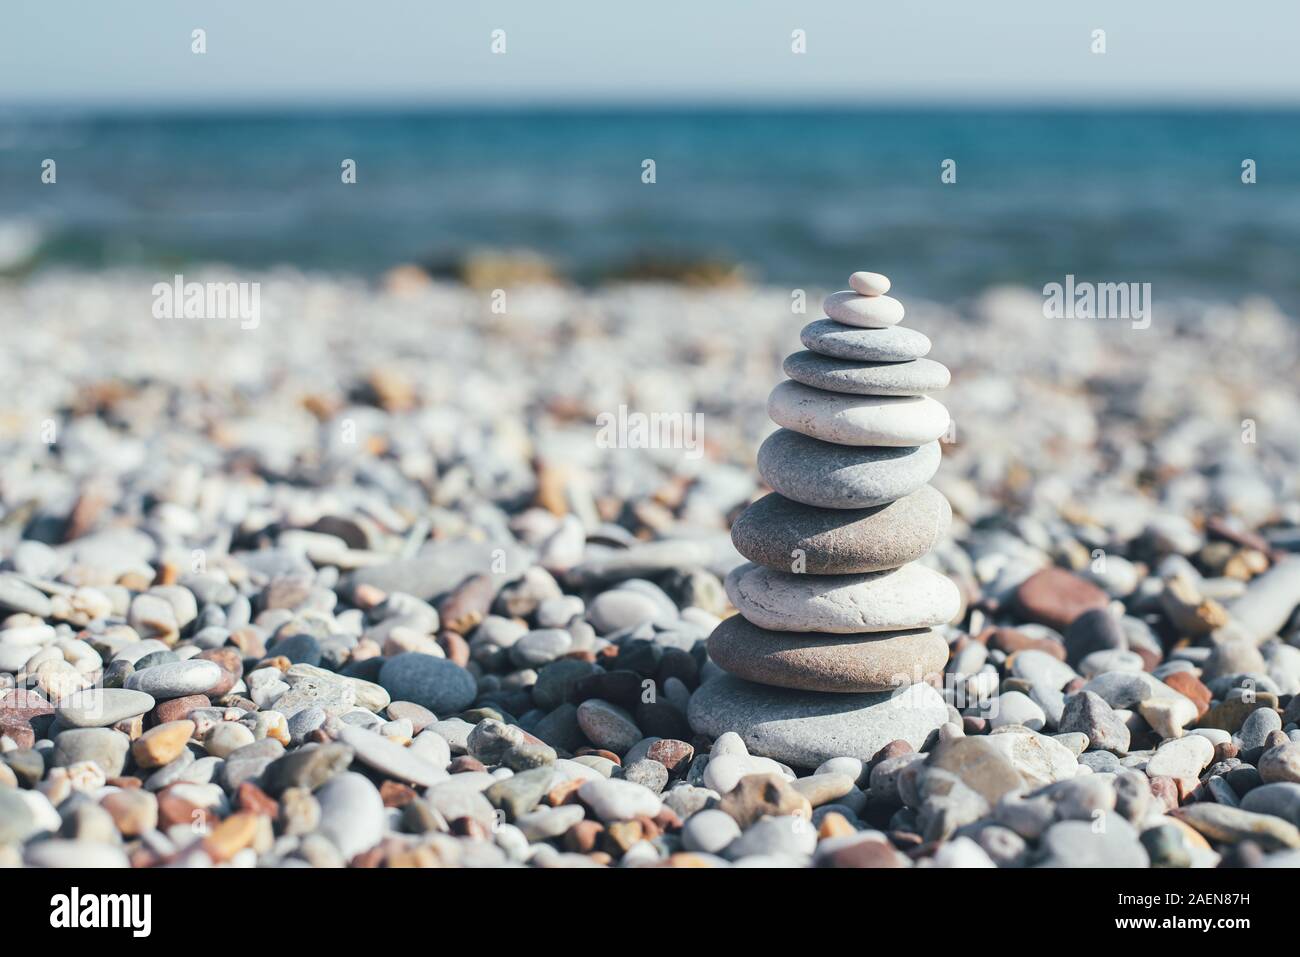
369 584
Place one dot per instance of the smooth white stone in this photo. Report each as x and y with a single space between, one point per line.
912 596
893 421
869 283
868 312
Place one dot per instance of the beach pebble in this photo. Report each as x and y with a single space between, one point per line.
803 729
790 536
857 420
433 683
894 344
351 813
912 596
869 312
914 378
869 283
817 473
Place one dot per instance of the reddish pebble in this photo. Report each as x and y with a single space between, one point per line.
1189 686
395 794
1055 597
254 799
673 754
465 763
178 708
583 837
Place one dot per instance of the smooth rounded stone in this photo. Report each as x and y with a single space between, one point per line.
227 737
1183 757
894 344
102 707
1100 662
900 421
626 607
1259 724
647 773
177 679
912 596
540 646
790 536
18 596
434 683
1270 600
1230 825
607 725
59 854
1080 844
961 852
1015 707
1125 689
869 283
1041 669
1280 799
104 746
803 729
709 831
351 813
783 836
1056 597
851 767
869 312
817 473
1280 764
389 758
615 800
724 771
914 378
815 661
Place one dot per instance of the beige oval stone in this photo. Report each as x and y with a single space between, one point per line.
912 596
162 744
811 661
869 283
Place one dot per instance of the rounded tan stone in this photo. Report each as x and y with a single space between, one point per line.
813 661
162 744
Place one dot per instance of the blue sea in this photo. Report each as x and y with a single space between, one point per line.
799 196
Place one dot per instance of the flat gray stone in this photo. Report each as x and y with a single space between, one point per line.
916 377
814 661
897 421
389 758
839 476
438 568
791 536
894 344
911 596
102 707
104 746
805 728
176 679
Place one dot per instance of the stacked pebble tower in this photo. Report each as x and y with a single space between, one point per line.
833 599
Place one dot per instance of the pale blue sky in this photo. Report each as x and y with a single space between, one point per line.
332 52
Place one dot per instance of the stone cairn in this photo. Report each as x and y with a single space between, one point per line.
833 603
